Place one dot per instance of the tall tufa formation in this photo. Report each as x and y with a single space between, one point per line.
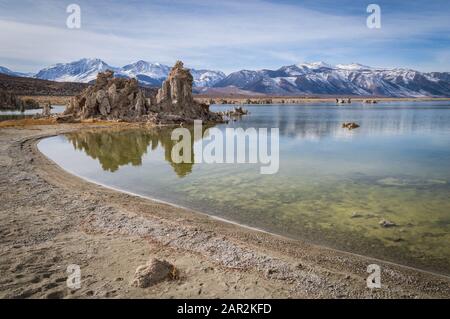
175 100
117 98
176 91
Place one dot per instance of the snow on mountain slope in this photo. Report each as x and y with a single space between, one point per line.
152 70
305 78
4 70
206 78
342 79
148 73
84 71
7 71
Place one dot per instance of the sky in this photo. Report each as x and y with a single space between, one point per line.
226 35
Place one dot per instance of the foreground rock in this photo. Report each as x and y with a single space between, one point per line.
122 99
152 273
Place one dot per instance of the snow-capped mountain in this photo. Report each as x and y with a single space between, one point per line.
84 71
7 71
148 73
342 79
153 74
305 78
206 78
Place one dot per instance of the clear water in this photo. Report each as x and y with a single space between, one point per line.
17 115
333 188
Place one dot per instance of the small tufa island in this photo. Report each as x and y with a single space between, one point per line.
122 99
10 102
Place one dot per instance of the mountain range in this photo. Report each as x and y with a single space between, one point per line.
147 73
318 78
343 79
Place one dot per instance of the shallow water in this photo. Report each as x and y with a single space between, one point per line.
17 115
333 188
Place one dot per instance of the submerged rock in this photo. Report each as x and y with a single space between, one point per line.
386 223
155 271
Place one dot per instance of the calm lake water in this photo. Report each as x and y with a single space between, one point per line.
17 115
333 188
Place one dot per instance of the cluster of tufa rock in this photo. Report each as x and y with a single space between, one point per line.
10 101
237 112
121 99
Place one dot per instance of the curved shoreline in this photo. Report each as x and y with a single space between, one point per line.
228 221
288 267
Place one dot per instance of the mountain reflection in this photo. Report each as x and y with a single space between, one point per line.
114 148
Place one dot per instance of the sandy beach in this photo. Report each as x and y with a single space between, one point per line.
50 219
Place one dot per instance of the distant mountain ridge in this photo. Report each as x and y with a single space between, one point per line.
7 71
343 79
316 78
153 74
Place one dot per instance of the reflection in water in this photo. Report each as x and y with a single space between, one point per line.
116 148
315 122
17 115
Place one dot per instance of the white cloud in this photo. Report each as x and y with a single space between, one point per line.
219 34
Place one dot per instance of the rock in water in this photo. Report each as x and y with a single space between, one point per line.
9 101
47 109
152 273
175 98
350 126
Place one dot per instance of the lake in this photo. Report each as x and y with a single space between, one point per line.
17 115
333 188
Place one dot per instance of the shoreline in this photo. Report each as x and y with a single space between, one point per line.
193 242
229 221
236 99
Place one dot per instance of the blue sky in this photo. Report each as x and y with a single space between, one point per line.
227 35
